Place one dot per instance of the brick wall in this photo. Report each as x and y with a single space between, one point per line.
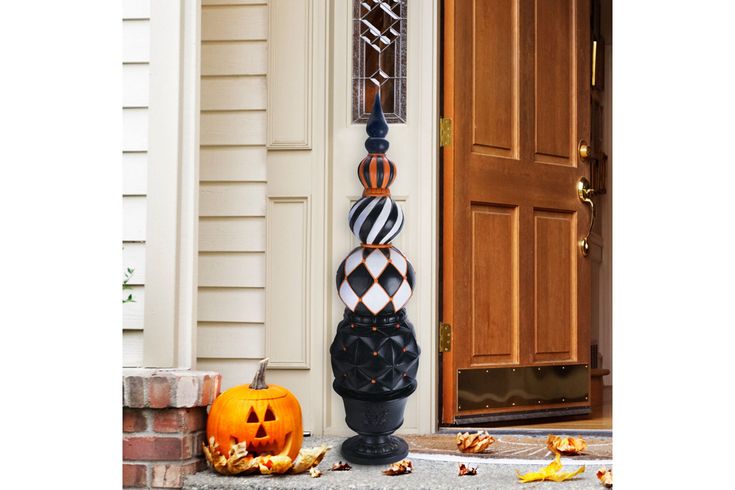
164 423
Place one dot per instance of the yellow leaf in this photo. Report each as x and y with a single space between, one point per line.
549 472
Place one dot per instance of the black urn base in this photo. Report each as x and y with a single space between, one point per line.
374 450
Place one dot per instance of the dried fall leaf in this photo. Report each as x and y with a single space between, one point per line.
568 446
605 477
549 472
402 467
278 464
474 443
308 458
466 470
215 458
239 461
340 467
314 473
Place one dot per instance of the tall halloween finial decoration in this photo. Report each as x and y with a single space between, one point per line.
374 354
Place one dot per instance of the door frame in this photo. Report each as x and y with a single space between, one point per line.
445 62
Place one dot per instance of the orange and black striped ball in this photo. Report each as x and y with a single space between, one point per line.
376 171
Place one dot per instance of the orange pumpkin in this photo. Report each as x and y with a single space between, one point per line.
267 417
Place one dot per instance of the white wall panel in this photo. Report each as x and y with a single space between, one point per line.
236 164
232 305
136 41
235 58
235 23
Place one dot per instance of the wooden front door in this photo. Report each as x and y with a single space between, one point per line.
516 287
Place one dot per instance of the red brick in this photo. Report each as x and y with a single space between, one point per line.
159 392
134 420
157 448
179 420
207 391
172 475
134 392
134 475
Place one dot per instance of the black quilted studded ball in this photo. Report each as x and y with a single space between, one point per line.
375 281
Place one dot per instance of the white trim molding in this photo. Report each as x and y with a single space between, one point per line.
290 62
173 180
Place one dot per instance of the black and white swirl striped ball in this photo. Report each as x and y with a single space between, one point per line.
375 281
376 220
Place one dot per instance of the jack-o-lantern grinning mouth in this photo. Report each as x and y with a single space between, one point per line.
267 446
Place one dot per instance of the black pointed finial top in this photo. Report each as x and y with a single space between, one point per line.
377 129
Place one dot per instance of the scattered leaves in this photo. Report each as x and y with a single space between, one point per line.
605 477
309 458
277 464
567 446
466 470
238 461
549 472
340 467
314 473
474 443
402 467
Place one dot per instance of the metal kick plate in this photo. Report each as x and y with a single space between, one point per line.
522 386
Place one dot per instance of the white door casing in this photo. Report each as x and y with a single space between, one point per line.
314 150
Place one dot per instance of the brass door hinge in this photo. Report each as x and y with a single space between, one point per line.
445 337
445 131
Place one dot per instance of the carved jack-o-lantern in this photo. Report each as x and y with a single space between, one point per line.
266 417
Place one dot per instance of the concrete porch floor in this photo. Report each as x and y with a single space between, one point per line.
427 474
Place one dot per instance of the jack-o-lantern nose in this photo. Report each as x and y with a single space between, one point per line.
261 432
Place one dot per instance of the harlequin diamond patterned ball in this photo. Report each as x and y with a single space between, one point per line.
375 281
376 220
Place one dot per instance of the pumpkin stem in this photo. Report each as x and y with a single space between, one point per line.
259 378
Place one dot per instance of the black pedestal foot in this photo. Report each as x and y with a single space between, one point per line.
374 450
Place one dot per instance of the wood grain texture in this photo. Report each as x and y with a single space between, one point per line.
231 199
493 165
494 285
232 234
555 271
235 23
133 312
239 269
554 59
495 77
230 340
233 128
237 164
230 93
234 58
241 305
132 348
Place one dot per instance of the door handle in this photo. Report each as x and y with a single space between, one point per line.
585 193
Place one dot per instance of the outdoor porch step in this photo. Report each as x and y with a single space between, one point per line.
427 474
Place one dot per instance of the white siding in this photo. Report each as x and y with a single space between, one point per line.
136 52
232 196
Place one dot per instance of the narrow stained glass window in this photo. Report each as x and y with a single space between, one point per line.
379 58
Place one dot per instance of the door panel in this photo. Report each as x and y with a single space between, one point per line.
494 284
515 287
494 80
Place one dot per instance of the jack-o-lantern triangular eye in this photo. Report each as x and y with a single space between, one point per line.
252 417
269 415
